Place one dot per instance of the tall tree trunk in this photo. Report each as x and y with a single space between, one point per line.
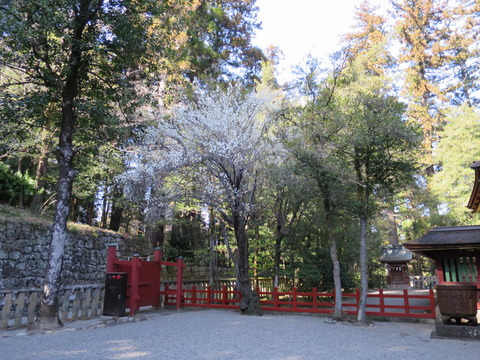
250 303
22 190
392 226
117 209
48 316
277 257
213 268
41 171
332 239
155 234
337 280
361 316
105 206
90 211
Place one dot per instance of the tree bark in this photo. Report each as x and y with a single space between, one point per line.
48 317
392 226
361 316
250 302
41 171
213 252
337 280
116 215
155 234
277 257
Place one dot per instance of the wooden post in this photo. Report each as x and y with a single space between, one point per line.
224 296
180 266
194 295
275 297
440 273
111 257
209 295
7 303
157 254
315 298
19 309
295 297
406 301
357 300
134 297
381 300
31 307
157 258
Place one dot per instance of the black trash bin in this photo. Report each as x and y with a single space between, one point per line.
115 294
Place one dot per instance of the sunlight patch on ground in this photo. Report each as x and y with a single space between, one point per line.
125 349
397 348
70 352
130 355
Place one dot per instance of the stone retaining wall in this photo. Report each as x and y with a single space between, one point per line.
24 248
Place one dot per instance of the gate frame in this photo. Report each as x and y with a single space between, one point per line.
144 278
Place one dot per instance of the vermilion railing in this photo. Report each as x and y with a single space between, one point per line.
405 304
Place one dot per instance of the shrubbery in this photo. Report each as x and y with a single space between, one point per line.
15 187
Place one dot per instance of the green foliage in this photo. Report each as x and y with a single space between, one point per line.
219 35
15 186
454 181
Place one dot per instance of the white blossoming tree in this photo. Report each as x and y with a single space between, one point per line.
220 138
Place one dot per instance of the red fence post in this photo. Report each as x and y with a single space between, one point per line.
224 295
194 294
315 298
275 297
157 258
209 295
180 266
406 301
111 257
381 300
134 297
357 300
157 254
295 297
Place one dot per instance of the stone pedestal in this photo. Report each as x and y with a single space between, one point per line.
454 331
462 332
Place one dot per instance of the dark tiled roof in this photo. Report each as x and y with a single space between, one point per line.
395 254
448 237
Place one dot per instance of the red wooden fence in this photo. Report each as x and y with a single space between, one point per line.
405 304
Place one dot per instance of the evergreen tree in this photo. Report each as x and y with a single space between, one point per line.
423 31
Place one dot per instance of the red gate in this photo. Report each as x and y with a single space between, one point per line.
143 278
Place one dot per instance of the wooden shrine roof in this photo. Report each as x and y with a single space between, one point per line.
447 238
395 254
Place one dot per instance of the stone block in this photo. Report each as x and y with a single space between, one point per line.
456 331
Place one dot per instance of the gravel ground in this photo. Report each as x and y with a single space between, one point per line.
227 335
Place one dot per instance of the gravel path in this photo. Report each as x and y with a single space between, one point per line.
226 335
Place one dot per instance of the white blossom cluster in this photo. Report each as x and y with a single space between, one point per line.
218 140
